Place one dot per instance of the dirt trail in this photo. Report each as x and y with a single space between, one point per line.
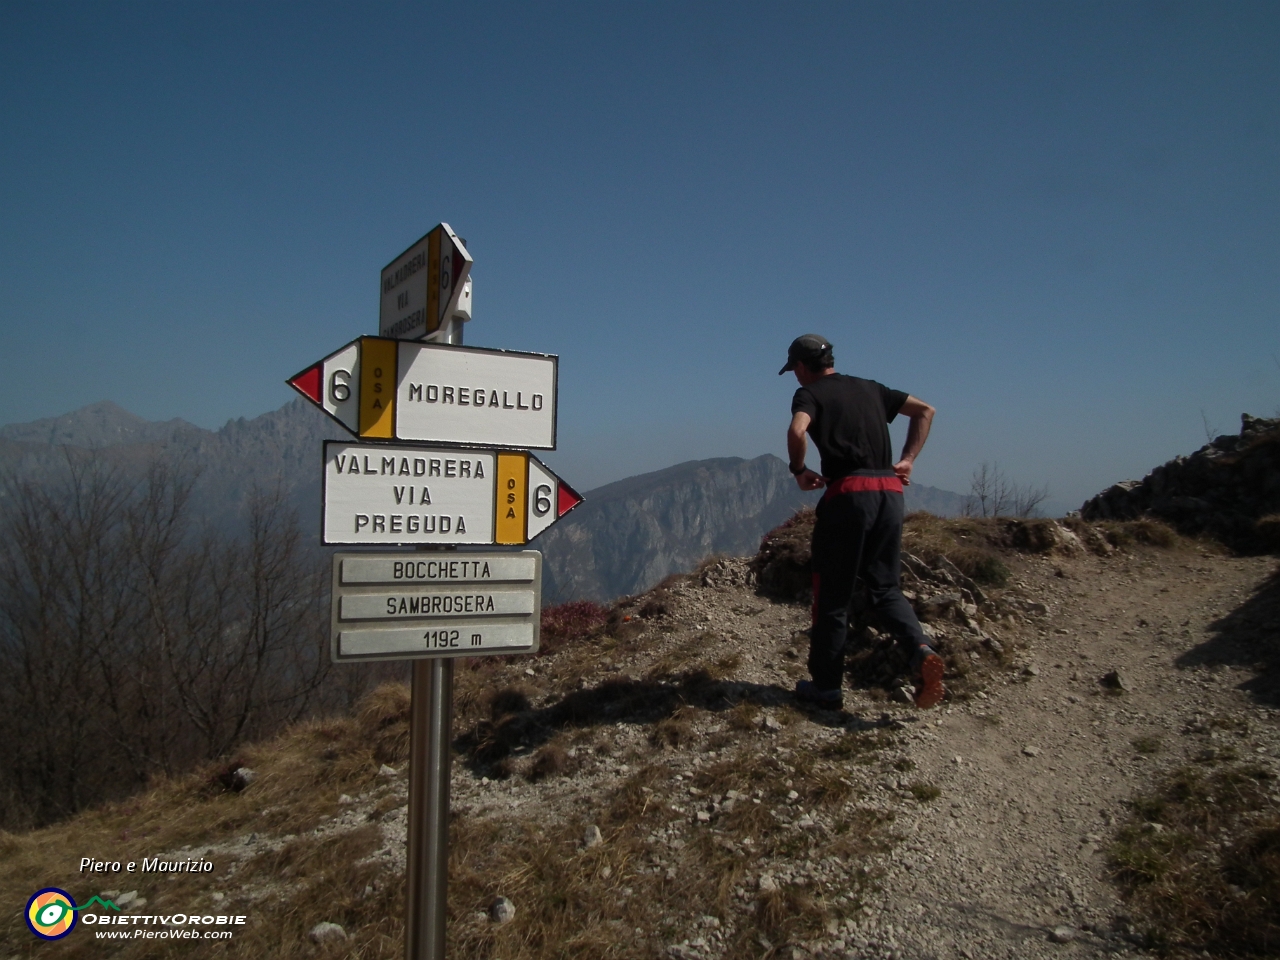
1033 781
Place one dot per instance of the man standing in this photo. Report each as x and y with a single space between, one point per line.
858 532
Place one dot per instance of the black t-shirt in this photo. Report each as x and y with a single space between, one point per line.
849 420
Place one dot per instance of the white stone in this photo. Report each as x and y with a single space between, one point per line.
323 932
1063 934
502 910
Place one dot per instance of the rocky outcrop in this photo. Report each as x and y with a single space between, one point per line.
1228 489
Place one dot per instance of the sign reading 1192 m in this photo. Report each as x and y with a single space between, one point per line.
383 389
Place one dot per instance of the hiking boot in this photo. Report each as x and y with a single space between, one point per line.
929 670
808 692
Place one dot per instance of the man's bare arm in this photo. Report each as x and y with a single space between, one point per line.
921 415
797 448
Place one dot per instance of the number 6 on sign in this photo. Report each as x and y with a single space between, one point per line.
541 500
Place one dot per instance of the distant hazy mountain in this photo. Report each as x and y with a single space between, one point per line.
101 424
626 537
629 535
282 447
942 503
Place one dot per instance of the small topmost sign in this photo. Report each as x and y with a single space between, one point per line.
421 287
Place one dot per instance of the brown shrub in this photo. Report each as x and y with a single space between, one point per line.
1188 897
784 565
1146 531
1035 536
509 701
569 623
551 760
1267 531
981 565
383 716
671 732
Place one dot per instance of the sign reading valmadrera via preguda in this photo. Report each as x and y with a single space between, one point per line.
397 494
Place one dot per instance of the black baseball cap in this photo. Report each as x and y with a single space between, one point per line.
811 349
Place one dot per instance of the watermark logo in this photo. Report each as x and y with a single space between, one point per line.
51 913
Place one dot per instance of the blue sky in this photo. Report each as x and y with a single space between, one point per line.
1058 223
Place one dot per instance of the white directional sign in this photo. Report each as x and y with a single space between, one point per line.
385 494
384 389
421 287
414 605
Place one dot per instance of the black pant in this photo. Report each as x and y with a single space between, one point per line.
857 537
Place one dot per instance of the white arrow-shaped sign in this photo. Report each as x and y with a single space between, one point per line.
422 286
386 494
382 389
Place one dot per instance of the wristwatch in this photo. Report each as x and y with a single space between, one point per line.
796 472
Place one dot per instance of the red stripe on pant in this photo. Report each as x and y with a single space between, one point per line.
857 484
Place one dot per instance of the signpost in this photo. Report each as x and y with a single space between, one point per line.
396 606
383 389
457 471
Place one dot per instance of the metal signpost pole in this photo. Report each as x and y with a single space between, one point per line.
430 764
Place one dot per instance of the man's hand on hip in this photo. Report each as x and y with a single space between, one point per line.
903 471
808 480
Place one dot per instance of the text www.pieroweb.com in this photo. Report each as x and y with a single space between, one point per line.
179 926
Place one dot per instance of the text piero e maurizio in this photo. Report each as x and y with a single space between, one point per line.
148 865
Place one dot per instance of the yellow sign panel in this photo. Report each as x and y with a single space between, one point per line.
377 388
512 509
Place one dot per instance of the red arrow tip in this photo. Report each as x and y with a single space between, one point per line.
568 499
307 383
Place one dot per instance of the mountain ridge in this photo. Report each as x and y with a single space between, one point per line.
625 537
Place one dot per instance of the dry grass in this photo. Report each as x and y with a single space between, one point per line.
299 778
1200 862
567 624
1149 532
924 792
968 542
659 874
